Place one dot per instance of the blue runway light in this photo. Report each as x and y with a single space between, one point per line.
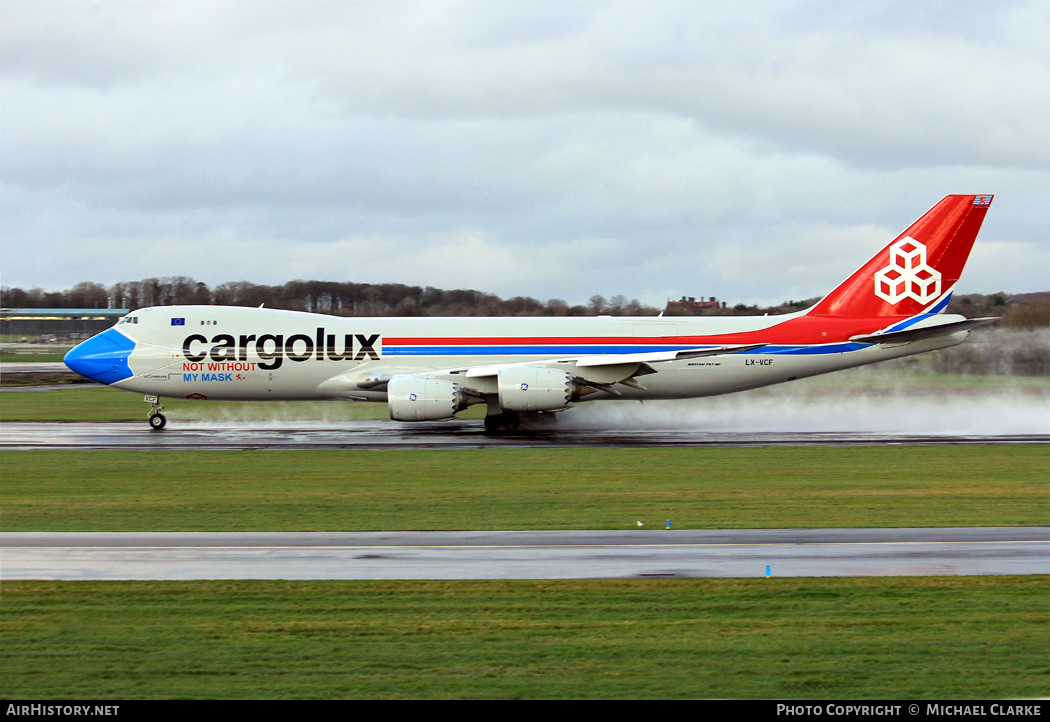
102 358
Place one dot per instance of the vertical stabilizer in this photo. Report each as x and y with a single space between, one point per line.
917 272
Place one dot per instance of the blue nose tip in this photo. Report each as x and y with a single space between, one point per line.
102 358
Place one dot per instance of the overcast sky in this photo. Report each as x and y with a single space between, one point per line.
754 151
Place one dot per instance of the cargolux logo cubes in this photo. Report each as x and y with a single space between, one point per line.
908 276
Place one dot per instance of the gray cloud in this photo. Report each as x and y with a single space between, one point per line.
757 151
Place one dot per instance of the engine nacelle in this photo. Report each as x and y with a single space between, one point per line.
412 398
534 388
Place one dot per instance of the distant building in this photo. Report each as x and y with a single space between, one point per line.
63 322
690 306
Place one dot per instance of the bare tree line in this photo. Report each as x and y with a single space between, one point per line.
331 297
1030 311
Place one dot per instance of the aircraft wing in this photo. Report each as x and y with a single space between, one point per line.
615 359
603 371
600 371
917 333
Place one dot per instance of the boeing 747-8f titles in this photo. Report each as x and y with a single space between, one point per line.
428 369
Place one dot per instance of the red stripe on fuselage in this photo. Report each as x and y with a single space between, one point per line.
802 330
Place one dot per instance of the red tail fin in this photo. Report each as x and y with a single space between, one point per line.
915 273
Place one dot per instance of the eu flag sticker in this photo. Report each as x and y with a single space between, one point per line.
178 322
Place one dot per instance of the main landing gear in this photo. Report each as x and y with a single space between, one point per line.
157 420
514 420
496 419
507 420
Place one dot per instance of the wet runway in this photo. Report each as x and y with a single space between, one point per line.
527 555
437 435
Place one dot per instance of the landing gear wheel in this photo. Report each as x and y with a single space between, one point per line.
156 419
503 421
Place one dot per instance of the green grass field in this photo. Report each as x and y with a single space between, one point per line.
947 638
97 403
31 357
864 638
696 488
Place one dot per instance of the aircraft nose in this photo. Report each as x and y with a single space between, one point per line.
102 358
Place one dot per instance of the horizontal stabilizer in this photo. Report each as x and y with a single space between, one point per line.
916 334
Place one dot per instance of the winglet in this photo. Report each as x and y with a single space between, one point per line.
917 272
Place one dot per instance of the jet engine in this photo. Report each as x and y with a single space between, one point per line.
534 388
412 398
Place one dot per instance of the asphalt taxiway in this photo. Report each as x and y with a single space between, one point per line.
527 554
34 367
434 435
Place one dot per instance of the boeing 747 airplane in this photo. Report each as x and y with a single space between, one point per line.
429 369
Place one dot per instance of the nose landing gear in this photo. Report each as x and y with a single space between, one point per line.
157 420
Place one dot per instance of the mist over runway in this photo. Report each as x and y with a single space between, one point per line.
858 406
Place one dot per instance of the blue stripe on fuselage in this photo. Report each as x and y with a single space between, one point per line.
808 350
909 322
941 305
522 350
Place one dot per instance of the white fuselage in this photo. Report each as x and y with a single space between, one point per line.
429 369
218 352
